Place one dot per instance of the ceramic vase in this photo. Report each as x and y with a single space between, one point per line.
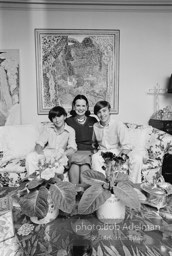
112 211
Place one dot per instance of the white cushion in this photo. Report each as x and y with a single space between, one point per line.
18 140
138 138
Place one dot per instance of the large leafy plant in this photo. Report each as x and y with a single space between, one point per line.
114 181
46 182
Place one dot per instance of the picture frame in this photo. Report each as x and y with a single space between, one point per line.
76 61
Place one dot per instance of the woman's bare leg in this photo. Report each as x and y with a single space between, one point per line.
83 168
74 173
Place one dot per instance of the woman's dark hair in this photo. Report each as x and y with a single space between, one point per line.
56 111
101 104
79 97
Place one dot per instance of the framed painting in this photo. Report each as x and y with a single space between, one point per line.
9 87
72 62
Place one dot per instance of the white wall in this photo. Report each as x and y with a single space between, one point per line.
145 53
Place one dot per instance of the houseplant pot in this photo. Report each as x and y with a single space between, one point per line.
112 210
44 193
109 190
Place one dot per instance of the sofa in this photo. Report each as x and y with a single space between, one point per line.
18 140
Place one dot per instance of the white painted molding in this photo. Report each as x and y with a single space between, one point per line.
92 2
142 5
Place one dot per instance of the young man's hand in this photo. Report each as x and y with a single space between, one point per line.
39 149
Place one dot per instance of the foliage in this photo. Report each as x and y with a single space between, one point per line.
115 181
34 192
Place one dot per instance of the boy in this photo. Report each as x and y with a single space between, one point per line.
111 135
57 137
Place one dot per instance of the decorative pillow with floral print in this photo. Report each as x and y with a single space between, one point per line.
158 144
12 172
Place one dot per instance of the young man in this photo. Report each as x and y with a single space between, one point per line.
55 137
111 135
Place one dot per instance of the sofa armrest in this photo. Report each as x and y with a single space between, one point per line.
158 144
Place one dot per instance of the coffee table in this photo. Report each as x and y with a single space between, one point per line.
140 234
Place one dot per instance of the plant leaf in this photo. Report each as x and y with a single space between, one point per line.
93 177
92 199
63 194
34 183
127 195
126 251
115 250
99 251
35 203
121 177
54 180
110 251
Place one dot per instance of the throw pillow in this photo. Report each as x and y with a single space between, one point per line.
19 140
138 137
158 144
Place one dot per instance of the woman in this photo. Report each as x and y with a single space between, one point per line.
81 121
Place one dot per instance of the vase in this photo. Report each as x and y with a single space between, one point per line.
52 214
112 211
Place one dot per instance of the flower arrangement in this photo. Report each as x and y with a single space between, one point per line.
113 165
25 229
45 183
49 165
114 181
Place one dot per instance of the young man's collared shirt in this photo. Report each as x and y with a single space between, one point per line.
65 139
112 136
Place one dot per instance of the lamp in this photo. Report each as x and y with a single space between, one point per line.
169 90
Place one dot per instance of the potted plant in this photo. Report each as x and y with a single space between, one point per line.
44 193
110 190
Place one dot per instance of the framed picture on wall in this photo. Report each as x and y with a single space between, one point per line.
9 87
72 62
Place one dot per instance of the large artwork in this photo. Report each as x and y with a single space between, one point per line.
71 62
9 87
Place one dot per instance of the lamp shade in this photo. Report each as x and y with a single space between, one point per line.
170 85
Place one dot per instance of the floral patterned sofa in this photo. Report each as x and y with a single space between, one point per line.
152 144
17 141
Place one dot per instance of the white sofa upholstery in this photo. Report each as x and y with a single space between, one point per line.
17 141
